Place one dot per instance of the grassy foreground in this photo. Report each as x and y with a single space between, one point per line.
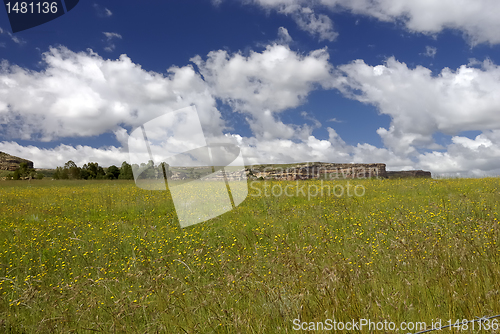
106 256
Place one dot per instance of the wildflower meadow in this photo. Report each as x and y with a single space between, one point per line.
106 256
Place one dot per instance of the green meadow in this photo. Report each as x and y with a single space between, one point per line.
109 257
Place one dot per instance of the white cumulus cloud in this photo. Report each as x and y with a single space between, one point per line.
421 104
82 94
477 20
263 84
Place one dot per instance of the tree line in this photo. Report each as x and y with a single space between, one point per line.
92 171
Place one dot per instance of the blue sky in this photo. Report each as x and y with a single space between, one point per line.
412 84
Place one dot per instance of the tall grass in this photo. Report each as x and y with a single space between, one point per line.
106 256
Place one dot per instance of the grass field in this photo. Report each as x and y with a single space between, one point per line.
108 257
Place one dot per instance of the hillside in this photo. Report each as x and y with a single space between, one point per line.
11 163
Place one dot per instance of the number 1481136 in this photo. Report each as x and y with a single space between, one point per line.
31 8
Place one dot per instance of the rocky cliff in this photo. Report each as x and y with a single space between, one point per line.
291 172
11 163
306 171
319 170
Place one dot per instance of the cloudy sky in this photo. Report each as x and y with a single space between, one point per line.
414 84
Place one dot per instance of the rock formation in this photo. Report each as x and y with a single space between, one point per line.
303 171
330 171
318 170
12 163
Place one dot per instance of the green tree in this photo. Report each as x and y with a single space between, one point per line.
23 167
64 173
84 174
148 170
101 174
72 169
55 176
16 175
94 170
22 172
126 172
60 174
113 172
69 164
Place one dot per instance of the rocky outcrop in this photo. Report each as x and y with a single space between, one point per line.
318 170
330 171
12 163
304 171
408 173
